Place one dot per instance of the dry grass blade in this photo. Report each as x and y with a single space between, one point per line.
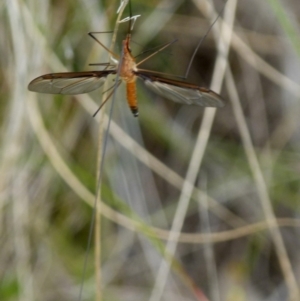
129 223
100 162
263 192
197 155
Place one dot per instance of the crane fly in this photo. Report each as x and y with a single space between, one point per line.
71 83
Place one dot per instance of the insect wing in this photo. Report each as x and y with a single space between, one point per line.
182 92
69 83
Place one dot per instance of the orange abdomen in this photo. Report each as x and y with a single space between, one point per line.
131 98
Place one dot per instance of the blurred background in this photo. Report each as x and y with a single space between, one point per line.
227 242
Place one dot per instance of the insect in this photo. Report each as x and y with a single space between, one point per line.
71 83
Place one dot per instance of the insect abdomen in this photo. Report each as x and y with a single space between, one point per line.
131 98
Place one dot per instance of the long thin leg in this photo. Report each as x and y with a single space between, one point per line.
154 53
200 42
162 73
107 65
149 50
100 64
91 34
107 98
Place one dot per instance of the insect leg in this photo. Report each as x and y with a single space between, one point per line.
107 98
154 53
92 35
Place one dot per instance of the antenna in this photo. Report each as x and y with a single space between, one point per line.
131 19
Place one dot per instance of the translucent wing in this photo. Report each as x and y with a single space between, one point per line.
69 82
180 91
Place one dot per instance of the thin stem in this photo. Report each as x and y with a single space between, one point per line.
100 160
